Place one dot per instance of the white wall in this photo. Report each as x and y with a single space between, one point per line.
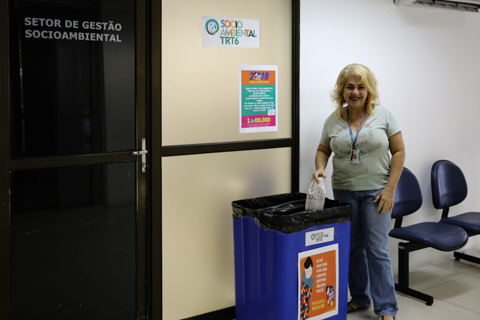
427 64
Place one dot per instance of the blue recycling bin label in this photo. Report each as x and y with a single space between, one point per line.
319 236
318 283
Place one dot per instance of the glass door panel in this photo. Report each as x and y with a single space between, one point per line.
73 232
72 76
77 92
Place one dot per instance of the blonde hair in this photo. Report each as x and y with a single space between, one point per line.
368 80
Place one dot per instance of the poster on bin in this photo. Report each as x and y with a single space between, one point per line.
258 99
318 283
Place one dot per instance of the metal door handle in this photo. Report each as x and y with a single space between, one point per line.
142 153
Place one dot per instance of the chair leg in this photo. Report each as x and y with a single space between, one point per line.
467 257
404 250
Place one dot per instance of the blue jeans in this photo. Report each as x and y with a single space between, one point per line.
370 275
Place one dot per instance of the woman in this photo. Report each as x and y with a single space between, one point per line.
361 133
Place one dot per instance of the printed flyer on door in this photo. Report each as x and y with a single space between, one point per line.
318 283
258 99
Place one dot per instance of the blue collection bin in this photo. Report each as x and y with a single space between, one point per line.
273 238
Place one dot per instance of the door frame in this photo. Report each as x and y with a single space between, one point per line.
159 151
4 166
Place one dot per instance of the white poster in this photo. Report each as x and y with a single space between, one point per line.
230 32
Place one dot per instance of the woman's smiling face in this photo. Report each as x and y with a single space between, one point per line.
355 93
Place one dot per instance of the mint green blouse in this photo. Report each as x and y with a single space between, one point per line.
374 169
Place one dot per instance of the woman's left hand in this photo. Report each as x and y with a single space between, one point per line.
385 200
386 197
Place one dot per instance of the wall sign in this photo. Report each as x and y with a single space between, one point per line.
230 32
74 30
318 283
258 99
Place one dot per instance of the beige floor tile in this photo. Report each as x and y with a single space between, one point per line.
463 292
461 266
362 315
455 286
411 309
430 276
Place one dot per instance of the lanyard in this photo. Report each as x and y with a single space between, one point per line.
350 127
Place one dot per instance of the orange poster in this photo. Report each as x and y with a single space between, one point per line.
318 283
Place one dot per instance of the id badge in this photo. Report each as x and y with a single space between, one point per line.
355 156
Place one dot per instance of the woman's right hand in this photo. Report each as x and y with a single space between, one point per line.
319 173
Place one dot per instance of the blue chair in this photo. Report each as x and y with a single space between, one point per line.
449 188
441 236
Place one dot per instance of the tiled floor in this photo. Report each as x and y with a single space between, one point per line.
455 286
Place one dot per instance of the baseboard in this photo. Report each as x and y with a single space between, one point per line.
224 314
